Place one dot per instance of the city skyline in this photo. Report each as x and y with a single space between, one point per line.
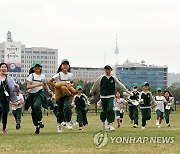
85 31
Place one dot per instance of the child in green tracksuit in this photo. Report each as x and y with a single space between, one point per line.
17 108
133 109
36 97
107 83
168 106
81 106
64 112
145 100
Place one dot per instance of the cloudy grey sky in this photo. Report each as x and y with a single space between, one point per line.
84 30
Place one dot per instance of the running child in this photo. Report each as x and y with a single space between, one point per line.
120 104
107 83
81 106
64 112
145 100
159 102
168 106
17 108
7 86
133 109
36 97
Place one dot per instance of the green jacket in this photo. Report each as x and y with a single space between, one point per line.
106 86
81 102
145 99
135 96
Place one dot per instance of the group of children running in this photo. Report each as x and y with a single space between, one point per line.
145 101
66 97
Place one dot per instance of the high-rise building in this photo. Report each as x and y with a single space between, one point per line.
139 73
19 59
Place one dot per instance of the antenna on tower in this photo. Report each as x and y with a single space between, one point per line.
116 51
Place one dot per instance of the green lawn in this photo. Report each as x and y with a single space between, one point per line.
75 141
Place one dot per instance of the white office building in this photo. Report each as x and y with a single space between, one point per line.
19 59
87 74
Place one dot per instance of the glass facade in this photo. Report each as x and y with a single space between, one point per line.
156 76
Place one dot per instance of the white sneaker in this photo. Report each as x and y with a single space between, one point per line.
143 127
63 123
68 125
135 126
104 125
59 128
157 122
110 127
72 123
159 126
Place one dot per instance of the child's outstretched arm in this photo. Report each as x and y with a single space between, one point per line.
96 85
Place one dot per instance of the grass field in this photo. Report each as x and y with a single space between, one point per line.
75 141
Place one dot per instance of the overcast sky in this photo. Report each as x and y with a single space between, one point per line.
84 30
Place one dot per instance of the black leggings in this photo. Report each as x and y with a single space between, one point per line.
4 116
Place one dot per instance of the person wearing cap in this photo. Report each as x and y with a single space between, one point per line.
168 106
159 102
133 109
81 104
17 108
7 87
106 83
36 81
64 112
145 100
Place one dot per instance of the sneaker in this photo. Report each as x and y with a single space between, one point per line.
18 126
119 126
104 126
159 126
143 127
132 121
4 132
63 123
110 127
71 122
81 128
59 128
168 125
68 125
37 131
41 125
157 122
135 126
